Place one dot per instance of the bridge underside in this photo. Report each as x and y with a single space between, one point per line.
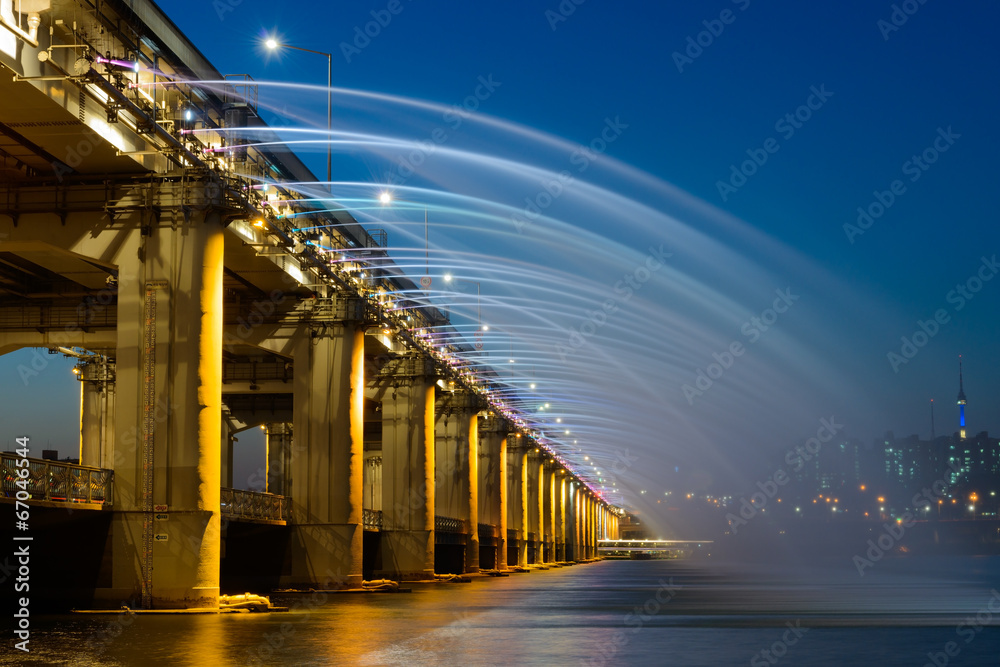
195 311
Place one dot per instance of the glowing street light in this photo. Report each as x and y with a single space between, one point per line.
273 44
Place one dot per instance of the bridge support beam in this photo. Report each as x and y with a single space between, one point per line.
577 522
536 513
517 498
493 496
408 499
456 463
548 511
279 457
97 413
168 412
560 517
325 465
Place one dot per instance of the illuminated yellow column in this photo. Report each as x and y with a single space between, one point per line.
456 463
325 471
535 521
168 414
279 456
549 470
493 495
408 491
517 496
560 520
97 412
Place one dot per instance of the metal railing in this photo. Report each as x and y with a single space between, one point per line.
253 505
56 481
371 519
487 531
446 524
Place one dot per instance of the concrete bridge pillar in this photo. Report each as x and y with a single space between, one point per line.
169 410
578 523
517 496
279 457
408 498
493 495
570 520
324 467
97 412
548 511
456 463
536 499
591 525
227 441
560 517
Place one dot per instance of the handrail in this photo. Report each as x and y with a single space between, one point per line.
447 524
56 481
241 504
371 519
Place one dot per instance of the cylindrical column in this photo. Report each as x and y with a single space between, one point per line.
97 413
456 463
493 496
560 516
326 479
408 492
517 506
535 521
169 412
279 454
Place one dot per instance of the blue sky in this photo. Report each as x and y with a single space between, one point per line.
887 94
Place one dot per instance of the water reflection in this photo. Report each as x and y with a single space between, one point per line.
613 612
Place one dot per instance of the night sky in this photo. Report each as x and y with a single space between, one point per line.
895 114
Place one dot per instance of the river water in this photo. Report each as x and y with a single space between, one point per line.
908 612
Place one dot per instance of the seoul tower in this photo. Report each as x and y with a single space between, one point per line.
961 402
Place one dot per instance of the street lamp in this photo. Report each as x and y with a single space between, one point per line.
272 45
479 304
385 198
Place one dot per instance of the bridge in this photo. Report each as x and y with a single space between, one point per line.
141 237
640 549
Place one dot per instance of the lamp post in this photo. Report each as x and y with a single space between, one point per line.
272 45
479 304
385 198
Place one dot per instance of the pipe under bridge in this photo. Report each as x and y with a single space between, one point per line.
164 261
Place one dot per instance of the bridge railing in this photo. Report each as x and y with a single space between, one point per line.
371 519
487 531
446 524
56 481
254 505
